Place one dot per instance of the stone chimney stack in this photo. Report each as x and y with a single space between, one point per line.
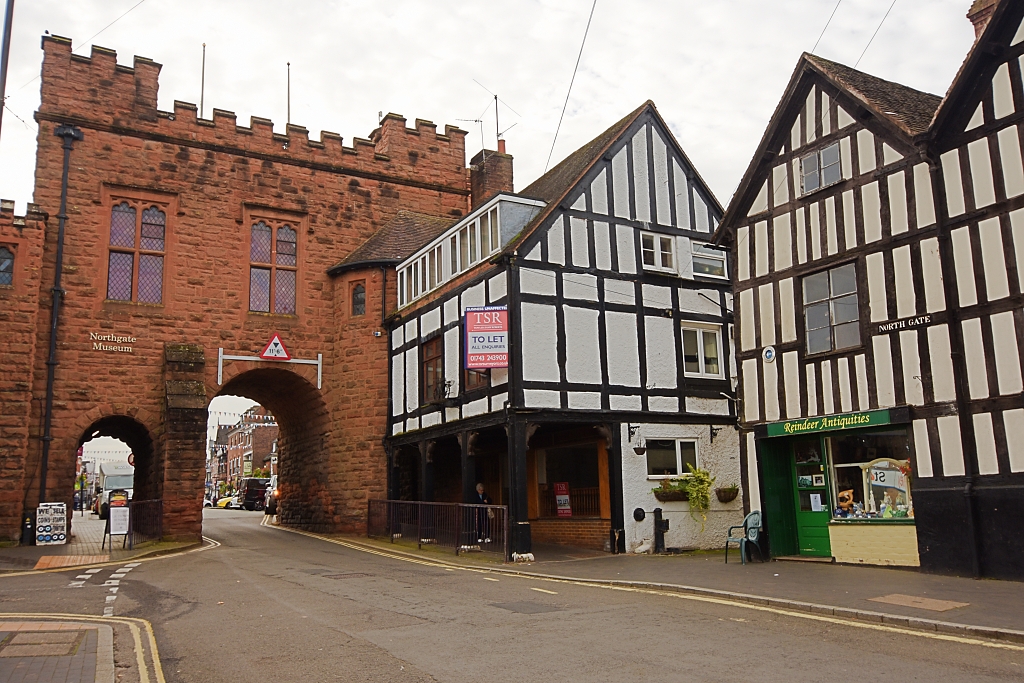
980 13
490 173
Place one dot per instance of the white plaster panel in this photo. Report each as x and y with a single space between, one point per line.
742 253
537 281
812 389
533 254
953 180
662 206
783 233
1013 423
845 386
931 272
641 177
696 301
499 376
815 231
876 286
682 192
684 257
753 482
780 184
539 342
430 321
412 331
580 242
412 424
584 400
760 203
903 272
1005 349
656 296
923 200
582 353
787 310
761 248
581 202
453 358
810 119
602 245
766 301
474 296
397 337
772 410
940 354
625 249
599 193
791 378
865 151
885 387
981 173
922 449
963 263
846 157
993 259
398 428
477 407
977 118
556 243
801 237
1018 37
661 352
707 406
831 236
861 367
748 329
497 288
498 401
974 354
844 118
1009 155
579 286
1017 228
542 398
850 220
700 212
619 402
620 292
751 407
913 387
623 349
985 439
794 136
398 384
889 155
620 184
826 115
412 380
951 445
431 419
1002 95
898 220
828 404
663 404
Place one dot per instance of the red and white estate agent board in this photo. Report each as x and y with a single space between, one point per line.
487 337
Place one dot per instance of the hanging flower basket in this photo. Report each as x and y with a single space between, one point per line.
669 495
727 494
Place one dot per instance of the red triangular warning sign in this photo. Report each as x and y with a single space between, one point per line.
275 350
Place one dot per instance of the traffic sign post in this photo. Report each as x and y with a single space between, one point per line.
274 351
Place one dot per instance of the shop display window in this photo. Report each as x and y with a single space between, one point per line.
871 476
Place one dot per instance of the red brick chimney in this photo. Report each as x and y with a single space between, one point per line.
490 173
980 13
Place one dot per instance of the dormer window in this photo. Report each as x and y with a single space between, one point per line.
658 252
820 169
708 262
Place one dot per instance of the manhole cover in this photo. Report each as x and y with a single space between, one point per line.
525 607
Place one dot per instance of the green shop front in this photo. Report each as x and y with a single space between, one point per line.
839 486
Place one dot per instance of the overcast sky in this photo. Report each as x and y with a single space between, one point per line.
714 68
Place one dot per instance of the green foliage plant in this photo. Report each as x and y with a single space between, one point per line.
698 485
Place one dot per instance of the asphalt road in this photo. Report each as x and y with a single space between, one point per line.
271 606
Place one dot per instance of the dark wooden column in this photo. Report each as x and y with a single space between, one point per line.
518 509
467 442
427 469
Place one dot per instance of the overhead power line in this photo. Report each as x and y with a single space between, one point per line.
822 34
571 81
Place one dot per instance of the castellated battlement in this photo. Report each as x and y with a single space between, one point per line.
97 92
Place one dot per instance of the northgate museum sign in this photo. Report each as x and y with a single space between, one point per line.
112 342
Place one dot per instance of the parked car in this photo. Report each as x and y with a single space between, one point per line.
227 502
252 493
270 501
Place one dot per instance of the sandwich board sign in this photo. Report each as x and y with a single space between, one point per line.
51 524
275 349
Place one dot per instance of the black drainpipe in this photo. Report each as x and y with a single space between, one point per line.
70 134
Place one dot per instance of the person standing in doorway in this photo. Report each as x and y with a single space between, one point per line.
483 516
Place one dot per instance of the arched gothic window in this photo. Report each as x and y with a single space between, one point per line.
6 266
359 300
135 265
272 268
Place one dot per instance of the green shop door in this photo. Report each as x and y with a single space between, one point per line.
810 490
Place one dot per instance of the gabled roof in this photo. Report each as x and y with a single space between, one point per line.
395 241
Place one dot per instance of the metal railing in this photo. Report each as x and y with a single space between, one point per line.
585 502
145 521
459 526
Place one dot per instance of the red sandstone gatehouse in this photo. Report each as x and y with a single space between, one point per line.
189 239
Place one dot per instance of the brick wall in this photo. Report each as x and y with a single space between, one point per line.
213 176
582 533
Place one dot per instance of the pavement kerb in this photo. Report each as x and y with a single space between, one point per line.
953 628
147 556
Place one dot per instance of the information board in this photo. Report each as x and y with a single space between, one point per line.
51 524
562 502
486 337
118 521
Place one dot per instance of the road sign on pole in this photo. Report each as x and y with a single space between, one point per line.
275 350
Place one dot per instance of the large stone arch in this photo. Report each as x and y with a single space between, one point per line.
303 443
135 434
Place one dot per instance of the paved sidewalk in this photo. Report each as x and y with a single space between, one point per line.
866 590
56 652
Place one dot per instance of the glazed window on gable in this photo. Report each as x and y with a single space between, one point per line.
820 169
6 266
658 252
831 311
359 299
135 265
273 260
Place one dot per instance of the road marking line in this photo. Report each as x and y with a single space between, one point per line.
487 578
684 596
84 576
541 590
92 571
76 584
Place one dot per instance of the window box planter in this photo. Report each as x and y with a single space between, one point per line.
666 496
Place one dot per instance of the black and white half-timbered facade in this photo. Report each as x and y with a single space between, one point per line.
878 244
619 342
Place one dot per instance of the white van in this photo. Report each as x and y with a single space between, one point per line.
113 475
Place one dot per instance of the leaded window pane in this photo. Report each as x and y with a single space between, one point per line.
494 230
844 280
485 235
818 341
831 174
666 253
817 316
151 278
844 310
122 226
691 352
285 246
710 353
358 300
260 247
830 156
119 276
6 266
259 289
647 250
847 335
284 292
153 223
816 287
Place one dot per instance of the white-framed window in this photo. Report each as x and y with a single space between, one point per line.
820 169
658 252
708 262
831 310
702 351
670 457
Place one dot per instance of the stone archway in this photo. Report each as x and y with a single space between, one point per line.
148 474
